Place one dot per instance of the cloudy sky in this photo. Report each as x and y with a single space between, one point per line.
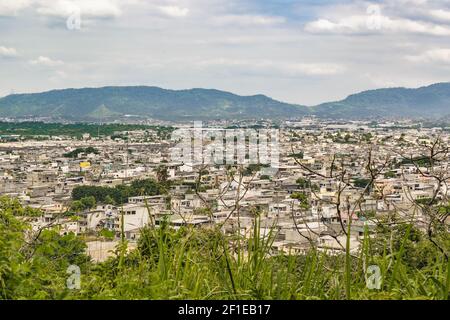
300 51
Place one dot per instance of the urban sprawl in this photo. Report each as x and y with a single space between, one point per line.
330 179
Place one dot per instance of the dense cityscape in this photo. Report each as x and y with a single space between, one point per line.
224 158
336 185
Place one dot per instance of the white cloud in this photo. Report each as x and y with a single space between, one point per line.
316 69
376 24
248 20
173 11
386 17
64 8
12 7
58 76
8 52
440 14
179 43
290 69
87 8
408 2
46 61
432 56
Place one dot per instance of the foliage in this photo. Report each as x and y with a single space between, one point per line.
298 155
252 168
303 183
120 193
427 102
108 234
13 204
111 103
191 263
418 161
390 175
35 270
85 203
75 153
367 137
28 129
302 198
361 182
162 174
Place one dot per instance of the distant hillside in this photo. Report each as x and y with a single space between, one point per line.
115 102
430 102
112 103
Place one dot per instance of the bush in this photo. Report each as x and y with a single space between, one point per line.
191 263
118 194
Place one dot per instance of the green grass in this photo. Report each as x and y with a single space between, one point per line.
29 129
200 264
192 263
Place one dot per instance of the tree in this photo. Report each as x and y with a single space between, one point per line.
7 203
109 200
148 187
33 263
162 174
390 174
362 183
77 206
303 183
88 202
302 198
12 270
83 204
418 253
118 194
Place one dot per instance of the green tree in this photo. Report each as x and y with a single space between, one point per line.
109 200
162 174
361 182
12 270
303 199
88 202
390 175
303 183
34 266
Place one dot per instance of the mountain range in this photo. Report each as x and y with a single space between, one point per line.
115 103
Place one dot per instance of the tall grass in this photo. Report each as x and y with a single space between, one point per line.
207 264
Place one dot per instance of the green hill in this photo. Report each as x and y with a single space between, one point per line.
429 102
113 103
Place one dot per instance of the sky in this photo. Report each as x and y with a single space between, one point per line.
304 52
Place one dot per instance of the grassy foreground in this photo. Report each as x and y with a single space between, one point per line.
205 264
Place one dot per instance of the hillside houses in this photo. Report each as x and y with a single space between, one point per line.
321 184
